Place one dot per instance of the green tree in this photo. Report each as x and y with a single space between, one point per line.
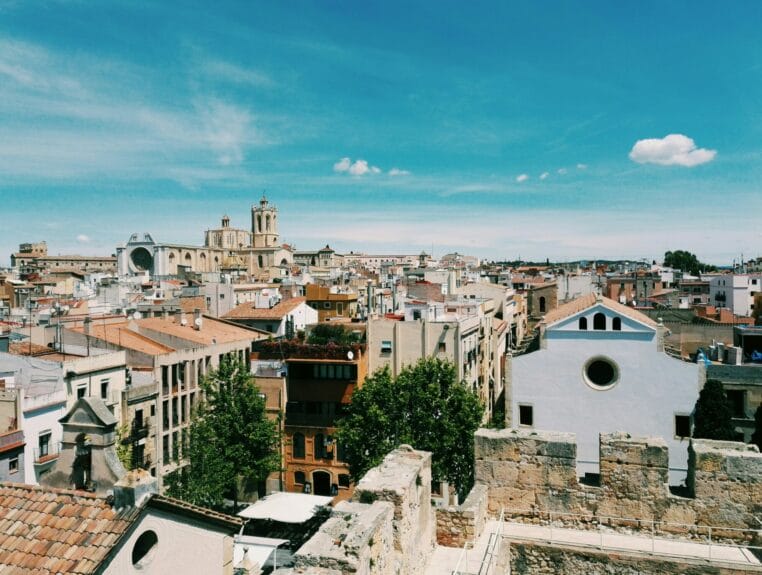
756 437
686 262
713 414
325 333
232 442
426 407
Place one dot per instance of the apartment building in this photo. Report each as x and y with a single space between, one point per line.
331 303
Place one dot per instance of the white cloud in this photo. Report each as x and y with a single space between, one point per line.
562 171
342 165
582 166
356 168
672 150
544 175
83 239
398 172
522 178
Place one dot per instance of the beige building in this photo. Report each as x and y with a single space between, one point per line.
226 250
167 357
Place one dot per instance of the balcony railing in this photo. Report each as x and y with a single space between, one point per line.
311 420
11 438
139 430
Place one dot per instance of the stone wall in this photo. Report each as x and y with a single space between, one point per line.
532 559
388 528
458 524
532 474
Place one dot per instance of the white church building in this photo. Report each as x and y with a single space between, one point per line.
601 368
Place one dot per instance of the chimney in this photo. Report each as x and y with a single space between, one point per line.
87 323
180 317
134 488
164 313
197 319
660 333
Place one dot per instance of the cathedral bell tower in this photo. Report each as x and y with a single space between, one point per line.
264 224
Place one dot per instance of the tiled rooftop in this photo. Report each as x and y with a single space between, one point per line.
248 311
46 531
587 301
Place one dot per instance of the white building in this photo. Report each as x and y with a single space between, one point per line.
275 319
601 368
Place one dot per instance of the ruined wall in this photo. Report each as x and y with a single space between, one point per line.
388 529
404 479
532 559
358 538
458 524
531 474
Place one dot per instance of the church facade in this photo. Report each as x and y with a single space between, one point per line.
256 253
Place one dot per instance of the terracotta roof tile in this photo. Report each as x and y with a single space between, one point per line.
29 544
587 301
248 311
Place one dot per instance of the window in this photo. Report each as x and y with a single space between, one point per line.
299 477
542 304
339 308
442 347
737 399
599 321
319 446
583 323
81 391
298 442
343 480
13 465
144 549
43 444
526 416
340 452
326 305
682 425
104 389
386 346
601 373
616 324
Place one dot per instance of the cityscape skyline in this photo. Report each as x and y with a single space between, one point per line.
613 132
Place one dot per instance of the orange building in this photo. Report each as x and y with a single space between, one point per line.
331 304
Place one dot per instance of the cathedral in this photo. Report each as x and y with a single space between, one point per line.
256 253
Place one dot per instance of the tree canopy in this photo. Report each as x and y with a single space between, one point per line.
231 442
324 333
686 262
713 414
424 406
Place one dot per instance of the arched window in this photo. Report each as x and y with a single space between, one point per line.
542 304
583 323
616 324
187 259
319 446
267 222
599 321
260 262
259 223
298 446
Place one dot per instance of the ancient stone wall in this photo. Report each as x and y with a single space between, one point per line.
388 528
404 479
533 559
458 524
532 474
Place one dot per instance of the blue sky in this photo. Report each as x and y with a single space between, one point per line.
505 129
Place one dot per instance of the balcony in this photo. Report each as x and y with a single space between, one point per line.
139 430
311 420
11 440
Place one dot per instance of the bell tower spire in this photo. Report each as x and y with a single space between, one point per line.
264 224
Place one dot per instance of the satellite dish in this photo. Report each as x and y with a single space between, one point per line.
183 321
137 315
350 355
197 321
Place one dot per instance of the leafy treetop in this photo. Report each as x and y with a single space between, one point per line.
713 414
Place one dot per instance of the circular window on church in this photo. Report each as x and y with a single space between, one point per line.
601 373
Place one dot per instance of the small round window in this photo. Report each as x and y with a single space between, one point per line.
144 549
601 373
